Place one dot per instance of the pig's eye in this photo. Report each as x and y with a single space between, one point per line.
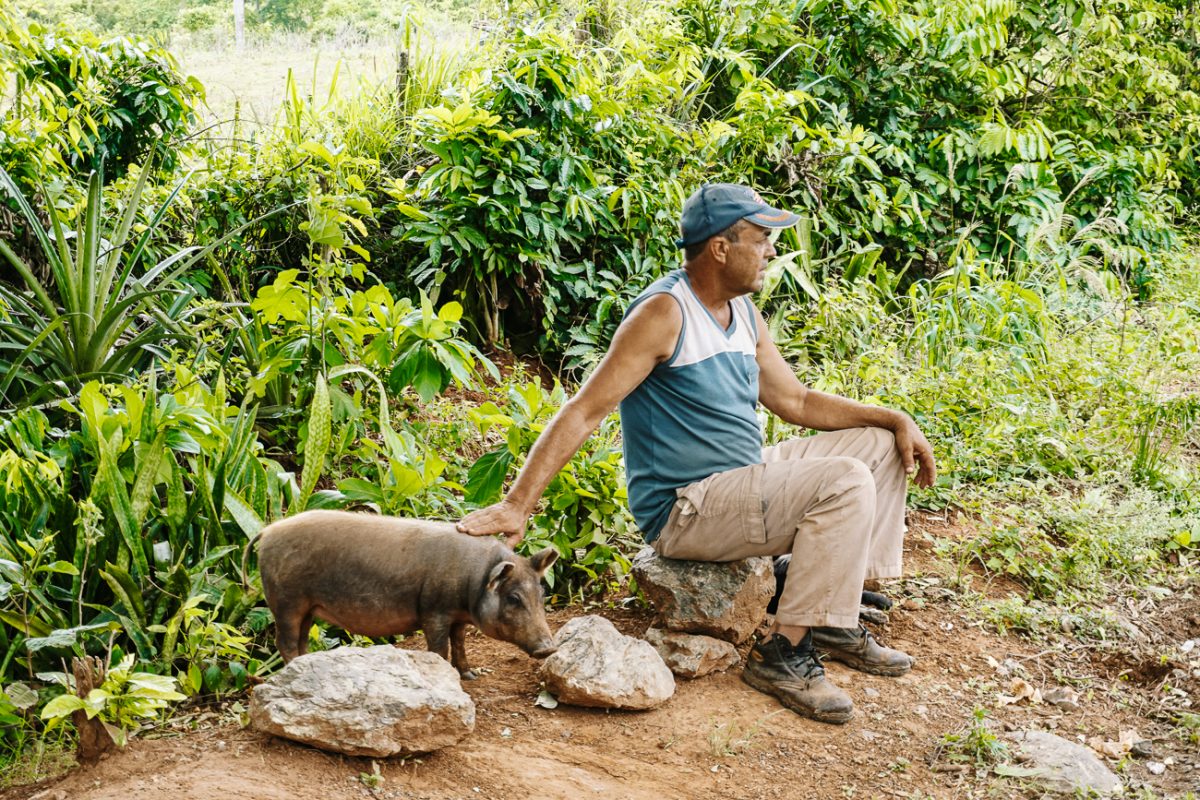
515 600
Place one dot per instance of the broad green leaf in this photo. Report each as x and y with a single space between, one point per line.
126 590
66 637
246 517
63 706
30 626
111 484
326 498
486 476
406 481
21 696
147 477
176 498
319 435
360 490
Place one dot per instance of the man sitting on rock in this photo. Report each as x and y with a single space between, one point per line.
688 365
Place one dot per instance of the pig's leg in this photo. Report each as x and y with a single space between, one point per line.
458 651
302 637
437 635
291 632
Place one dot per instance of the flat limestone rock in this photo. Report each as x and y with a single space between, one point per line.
689 655
1066 767
725 600
598 666
377 701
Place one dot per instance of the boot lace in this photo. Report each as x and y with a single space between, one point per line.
801 659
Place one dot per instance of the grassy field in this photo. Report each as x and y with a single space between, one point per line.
251 83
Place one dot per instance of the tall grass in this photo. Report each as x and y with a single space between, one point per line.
342 66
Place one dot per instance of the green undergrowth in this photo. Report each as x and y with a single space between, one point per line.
1073 551
28 756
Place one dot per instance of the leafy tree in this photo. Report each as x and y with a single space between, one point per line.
81 101
287 15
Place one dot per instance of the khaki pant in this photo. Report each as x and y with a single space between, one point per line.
835 501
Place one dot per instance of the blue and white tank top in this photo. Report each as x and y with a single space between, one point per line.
695 414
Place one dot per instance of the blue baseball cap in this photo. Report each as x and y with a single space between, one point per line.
715 206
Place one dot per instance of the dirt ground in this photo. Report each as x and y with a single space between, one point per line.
717 738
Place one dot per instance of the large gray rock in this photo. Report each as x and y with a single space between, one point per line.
597 666
689 655
727 600
378 701
1065 766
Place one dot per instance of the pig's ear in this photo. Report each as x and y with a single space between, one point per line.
499 572
543 561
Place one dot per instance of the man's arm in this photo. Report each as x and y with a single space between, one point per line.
646 338
782 393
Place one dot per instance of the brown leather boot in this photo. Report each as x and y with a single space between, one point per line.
857 648
793 675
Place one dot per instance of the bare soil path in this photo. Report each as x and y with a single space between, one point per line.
717 738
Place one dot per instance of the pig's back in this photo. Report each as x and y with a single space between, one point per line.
357 549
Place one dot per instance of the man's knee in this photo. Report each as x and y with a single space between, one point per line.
849 476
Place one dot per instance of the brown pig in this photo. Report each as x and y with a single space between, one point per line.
383 576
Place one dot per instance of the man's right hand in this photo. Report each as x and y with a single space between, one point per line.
502 517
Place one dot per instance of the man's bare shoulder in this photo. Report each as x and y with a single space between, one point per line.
660 307
654 324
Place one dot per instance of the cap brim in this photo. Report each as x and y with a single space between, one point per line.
772 218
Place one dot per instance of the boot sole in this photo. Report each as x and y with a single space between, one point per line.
860 664
766 687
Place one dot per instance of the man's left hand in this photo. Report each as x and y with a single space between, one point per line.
915 450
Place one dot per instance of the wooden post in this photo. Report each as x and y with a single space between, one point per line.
401 82
94 738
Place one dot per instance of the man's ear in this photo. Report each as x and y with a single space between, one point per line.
499 573
718 249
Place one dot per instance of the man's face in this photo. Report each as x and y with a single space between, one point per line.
746 259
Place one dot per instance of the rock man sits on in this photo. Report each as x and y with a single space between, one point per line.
688 366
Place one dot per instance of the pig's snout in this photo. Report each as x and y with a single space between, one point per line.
542 649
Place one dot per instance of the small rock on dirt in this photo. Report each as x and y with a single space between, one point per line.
1062 697
376 701
873 615
1065 766
726 600
1142 749
690 655
597 666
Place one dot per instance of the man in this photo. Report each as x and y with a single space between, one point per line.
688 366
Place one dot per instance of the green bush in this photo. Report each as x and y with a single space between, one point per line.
198 19
86 102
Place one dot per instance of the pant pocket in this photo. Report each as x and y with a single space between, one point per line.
754 526
733 499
